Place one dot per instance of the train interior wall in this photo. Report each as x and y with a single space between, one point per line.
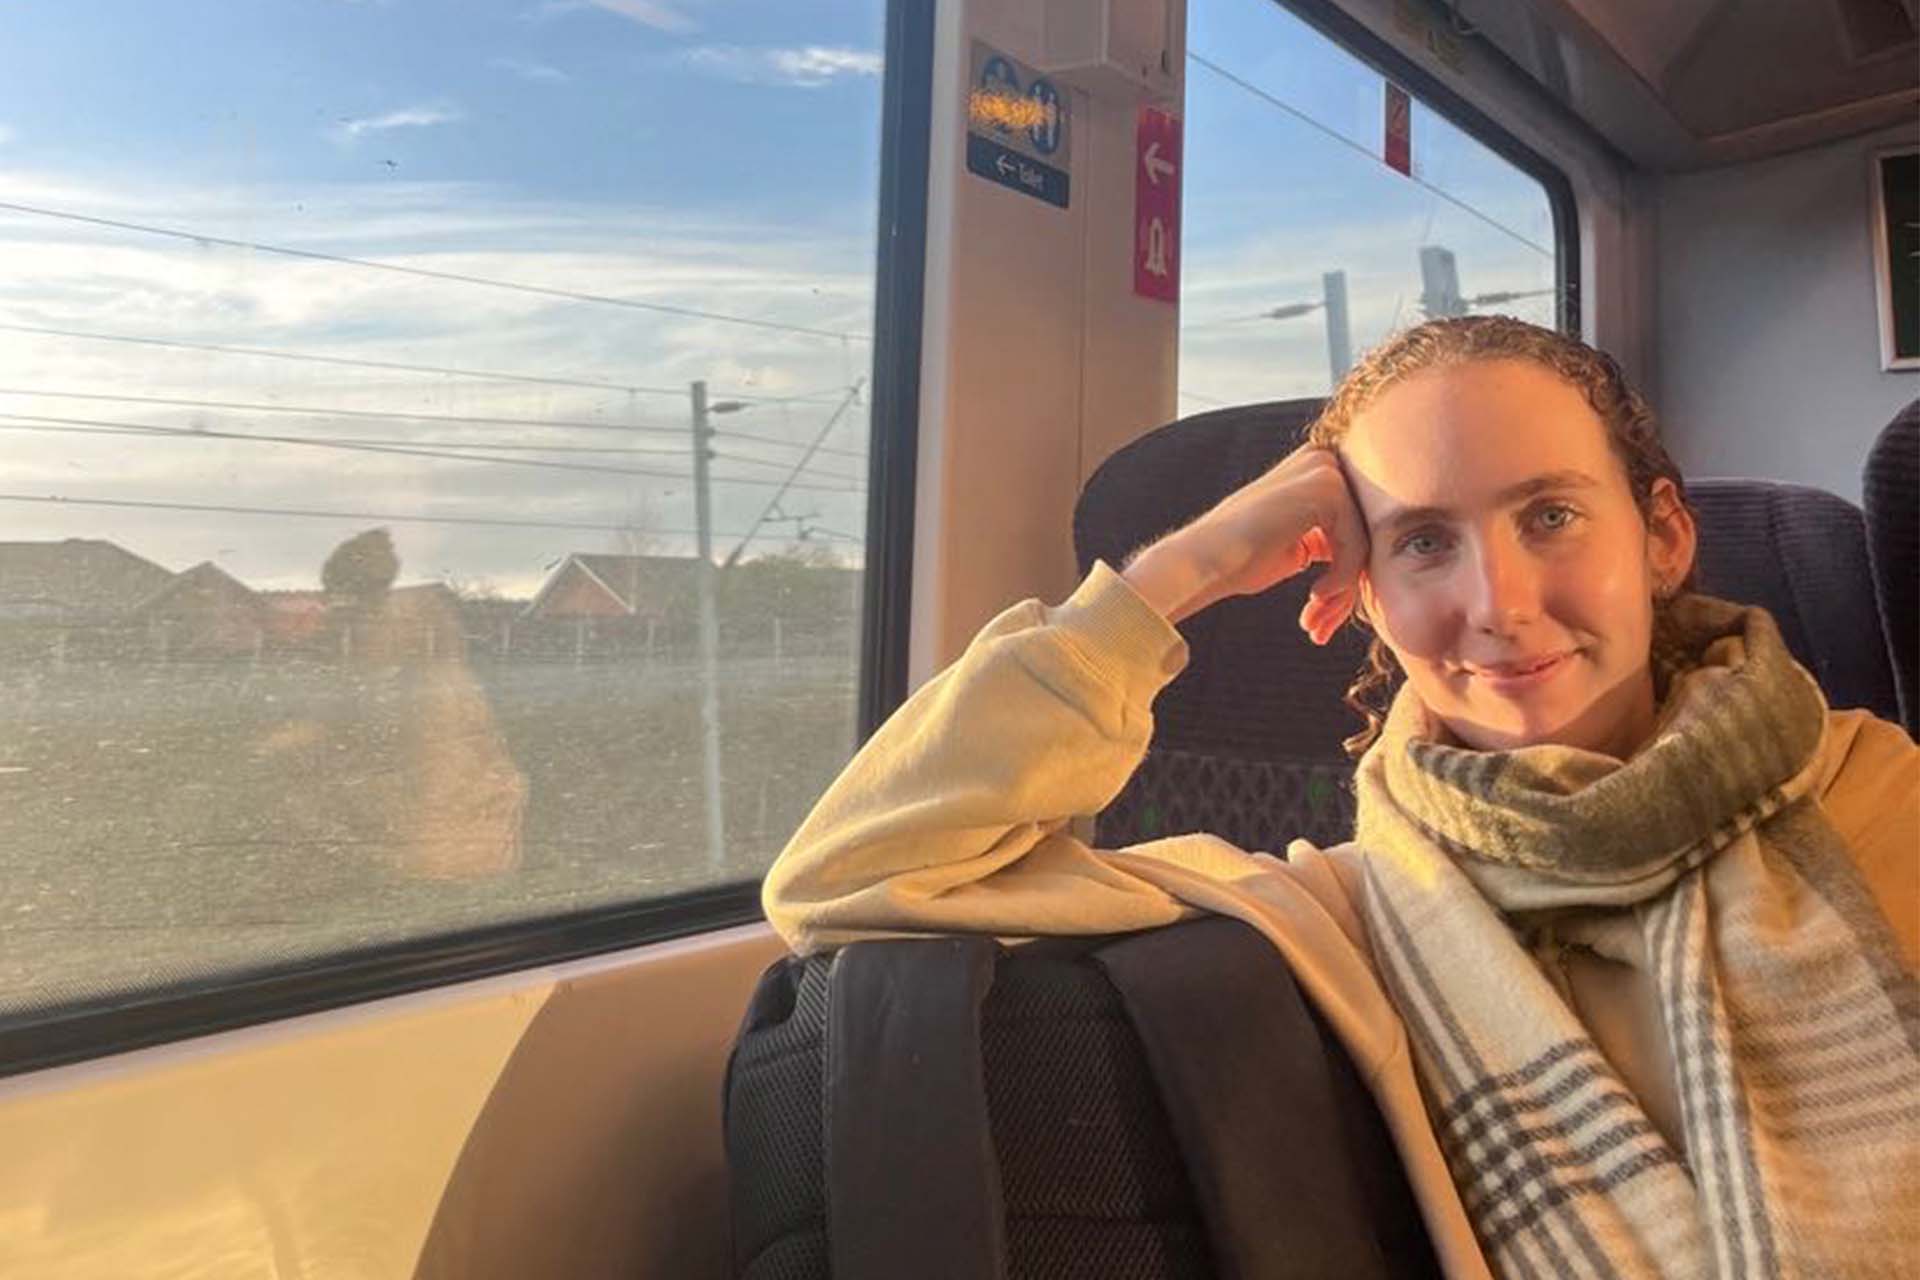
1766 346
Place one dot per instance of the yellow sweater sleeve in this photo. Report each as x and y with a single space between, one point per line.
1871 794
954 815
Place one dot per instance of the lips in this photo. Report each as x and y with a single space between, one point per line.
1520 674
1520 667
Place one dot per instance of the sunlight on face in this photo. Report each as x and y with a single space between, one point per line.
1511 572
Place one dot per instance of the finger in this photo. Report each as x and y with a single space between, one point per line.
1323 616
1346 539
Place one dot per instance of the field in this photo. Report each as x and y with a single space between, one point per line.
168 823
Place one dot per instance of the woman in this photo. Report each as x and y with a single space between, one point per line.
1625 941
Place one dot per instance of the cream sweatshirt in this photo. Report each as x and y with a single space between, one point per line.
956 817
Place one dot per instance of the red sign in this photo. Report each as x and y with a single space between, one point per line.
1156 205
1398 152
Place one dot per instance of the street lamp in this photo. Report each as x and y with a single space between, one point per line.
1333 300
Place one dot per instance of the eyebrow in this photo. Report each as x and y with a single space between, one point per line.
1552 481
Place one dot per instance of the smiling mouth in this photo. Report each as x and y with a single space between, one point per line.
1506 677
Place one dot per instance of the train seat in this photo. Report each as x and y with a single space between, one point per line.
1801 554
1890 485
1246 740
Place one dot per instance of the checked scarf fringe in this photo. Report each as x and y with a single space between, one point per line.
1792 1022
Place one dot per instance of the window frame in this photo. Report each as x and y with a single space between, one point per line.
115 1024
1352 35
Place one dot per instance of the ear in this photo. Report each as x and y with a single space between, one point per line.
1672 536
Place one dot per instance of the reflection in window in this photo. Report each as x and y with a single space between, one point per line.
352 359
1303 248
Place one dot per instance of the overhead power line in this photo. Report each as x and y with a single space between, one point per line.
390 366
313 411
1349 143
570 295
783 465
382 517
95 426
788 464
773 505
389 415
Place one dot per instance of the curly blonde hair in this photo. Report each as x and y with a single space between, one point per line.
1632 432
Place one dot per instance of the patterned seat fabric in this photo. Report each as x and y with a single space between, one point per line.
1256 804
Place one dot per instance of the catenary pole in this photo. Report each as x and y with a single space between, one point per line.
709 628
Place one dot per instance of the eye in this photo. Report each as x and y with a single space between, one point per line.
1422 544
1555 517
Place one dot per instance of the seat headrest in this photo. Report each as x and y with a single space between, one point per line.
1256 686
1890 492
1801 554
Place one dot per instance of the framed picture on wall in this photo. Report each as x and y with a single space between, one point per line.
1896 255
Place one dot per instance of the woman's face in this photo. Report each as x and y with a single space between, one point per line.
1510 571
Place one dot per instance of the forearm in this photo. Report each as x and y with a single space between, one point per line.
953 815
1175 575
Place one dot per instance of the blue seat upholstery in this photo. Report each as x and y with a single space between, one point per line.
1801 554
1247 740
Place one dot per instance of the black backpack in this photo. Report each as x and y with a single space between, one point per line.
1135 1107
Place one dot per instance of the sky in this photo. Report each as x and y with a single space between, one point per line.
1272 201
680 189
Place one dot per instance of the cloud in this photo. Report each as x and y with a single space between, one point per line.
78 278
648 13
808 67
405 118
6 135
538 71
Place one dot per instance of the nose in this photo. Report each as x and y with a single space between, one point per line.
1503 587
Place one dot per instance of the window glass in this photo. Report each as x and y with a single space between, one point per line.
351 357
1290 205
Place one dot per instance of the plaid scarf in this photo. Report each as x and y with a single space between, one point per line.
1793 1024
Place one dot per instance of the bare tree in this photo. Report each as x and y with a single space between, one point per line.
636 534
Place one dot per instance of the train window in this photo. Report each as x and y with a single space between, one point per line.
373 378
1310 235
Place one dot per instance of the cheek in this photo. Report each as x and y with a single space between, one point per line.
1607 595
1418 619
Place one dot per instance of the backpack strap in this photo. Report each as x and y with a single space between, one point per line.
913 1184
1256 1102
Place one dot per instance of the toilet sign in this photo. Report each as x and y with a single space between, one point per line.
1019 135
1156 205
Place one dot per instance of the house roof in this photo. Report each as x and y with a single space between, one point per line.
79 579
206 577
630 580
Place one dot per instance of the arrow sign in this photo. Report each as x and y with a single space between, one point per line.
1006 167
1156 167
1156 205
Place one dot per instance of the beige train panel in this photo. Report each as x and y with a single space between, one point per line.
563 1121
